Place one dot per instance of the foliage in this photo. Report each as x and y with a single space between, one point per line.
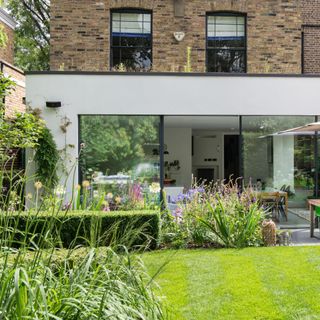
21 132
32 33
101 285
234 217
73 228
181 226
214 215
47 157
3 37
6 87
115 142
40 281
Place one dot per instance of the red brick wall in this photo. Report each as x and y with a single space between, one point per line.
80 33
7 52
311 31
14 101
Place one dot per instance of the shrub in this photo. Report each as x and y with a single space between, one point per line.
215 215
234 217
70 229
181 227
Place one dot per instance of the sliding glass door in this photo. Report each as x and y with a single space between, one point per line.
279 161
121 156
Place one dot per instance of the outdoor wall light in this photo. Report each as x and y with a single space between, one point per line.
53 104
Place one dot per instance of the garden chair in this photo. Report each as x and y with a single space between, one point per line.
271 202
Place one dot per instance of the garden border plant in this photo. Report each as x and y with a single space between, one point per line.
86 228
213 216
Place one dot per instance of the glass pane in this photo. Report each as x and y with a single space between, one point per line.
147 17
226 43
116 16
202 148
115 26
225 20
121 157
131 33
132 58
131 23
135 41
116 57
279 161
241 20
226 34
229 28
226 61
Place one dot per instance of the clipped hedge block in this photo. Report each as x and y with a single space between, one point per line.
74 228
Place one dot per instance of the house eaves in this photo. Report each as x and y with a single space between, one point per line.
7 19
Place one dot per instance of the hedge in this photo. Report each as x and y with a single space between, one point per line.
70 229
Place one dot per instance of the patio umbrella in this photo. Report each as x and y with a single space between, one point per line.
308 129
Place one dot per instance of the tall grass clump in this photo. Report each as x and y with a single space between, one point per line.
41 280
234 216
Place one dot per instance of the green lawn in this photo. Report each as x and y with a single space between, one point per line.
253 283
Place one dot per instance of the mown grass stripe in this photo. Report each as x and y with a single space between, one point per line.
244 295
253 283
204 277
173 280
292 280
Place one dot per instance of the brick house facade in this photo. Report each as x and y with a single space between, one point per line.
211 124
7 25
80 33
311 36
13 102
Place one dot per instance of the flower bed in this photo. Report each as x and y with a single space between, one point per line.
215 215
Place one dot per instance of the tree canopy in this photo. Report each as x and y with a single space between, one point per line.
115 144
32 33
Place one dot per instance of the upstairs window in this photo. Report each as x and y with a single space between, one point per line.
131 40
226 42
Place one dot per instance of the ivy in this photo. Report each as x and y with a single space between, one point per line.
28 130
6 86
47 158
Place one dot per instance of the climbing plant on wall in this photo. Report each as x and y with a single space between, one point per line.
47 158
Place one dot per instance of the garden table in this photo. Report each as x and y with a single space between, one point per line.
282 194
313 203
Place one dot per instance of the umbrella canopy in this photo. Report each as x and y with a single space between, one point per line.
308 129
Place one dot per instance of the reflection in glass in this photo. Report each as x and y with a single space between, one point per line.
121 159
226 43
279 161
131 41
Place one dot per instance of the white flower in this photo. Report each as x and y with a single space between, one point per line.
154 187
59 191
95 193
38 185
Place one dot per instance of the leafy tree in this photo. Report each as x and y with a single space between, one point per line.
115 143
32 33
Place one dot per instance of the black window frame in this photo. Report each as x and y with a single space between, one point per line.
228 14
129 10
